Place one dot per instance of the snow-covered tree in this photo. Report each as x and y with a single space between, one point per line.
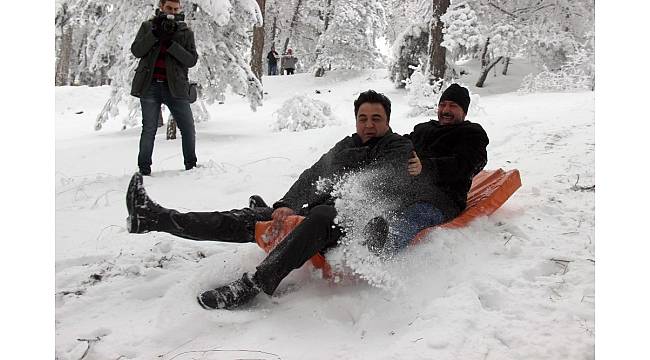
420 37
349 40
222 31
546 31
462 32
409 52
301 112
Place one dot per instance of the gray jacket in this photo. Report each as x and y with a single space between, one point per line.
181 55
289 62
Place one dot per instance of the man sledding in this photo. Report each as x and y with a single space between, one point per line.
451 150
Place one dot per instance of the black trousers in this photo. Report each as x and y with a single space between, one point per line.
316 233
237 225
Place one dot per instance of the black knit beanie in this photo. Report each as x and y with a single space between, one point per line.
457 94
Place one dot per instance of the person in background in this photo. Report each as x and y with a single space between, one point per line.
289 62
166 49
272 59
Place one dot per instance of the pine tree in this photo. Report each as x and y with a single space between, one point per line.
349 40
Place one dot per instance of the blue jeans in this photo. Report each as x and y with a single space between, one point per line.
157 94
273 69
407 223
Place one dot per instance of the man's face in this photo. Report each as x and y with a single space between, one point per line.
450 113
371 121
170 7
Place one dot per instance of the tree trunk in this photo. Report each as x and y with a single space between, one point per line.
437 52
292 25
320 71
328 15
505 66
171 128
257 51
274 30
63 62
484 55
486 70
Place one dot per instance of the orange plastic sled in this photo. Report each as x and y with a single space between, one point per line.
490 189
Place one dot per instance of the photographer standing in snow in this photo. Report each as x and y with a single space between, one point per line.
166 49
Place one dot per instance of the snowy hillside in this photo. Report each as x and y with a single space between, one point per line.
516 285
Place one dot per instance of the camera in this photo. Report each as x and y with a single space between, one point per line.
168 21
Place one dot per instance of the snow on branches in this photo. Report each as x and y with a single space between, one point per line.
301 113
100 33
461 28
576 74
349 40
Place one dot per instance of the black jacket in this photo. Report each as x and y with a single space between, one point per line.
181 55
389 152
272 57
451 156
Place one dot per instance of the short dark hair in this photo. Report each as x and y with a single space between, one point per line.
372 96
162 2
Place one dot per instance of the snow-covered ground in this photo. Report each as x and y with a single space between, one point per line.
516 285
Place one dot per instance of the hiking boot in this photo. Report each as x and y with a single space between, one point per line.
237 293
256 201
190 166
375 234
143 212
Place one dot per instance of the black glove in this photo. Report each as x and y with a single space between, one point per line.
165 39
155 26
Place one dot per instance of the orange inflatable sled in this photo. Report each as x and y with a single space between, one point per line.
490 189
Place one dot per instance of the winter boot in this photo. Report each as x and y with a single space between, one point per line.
143 212
235 294
145 170
375 234
256 201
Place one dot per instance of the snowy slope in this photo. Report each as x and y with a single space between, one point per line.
516 285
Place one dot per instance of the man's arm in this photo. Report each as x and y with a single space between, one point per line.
144 41
467 159
304 190
186 55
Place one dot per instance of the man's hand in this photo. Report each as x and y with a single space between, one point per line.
414 165
166 39
278 216
155 26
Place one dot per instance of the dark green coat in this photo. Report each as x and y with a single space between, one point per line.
181 55
390 153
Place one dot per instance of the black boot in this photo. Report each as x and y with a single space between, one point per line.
143 212
375 234
237 293
256 201
145 170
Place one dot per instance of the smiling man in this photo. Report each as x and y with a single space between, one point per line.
372 146
450 152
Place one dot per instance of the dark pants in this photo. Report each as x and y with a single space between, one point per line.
237 225
273 69
315 233
289 71
157 94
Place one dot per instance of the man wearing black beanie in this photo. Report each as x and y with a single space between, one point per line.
449 153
